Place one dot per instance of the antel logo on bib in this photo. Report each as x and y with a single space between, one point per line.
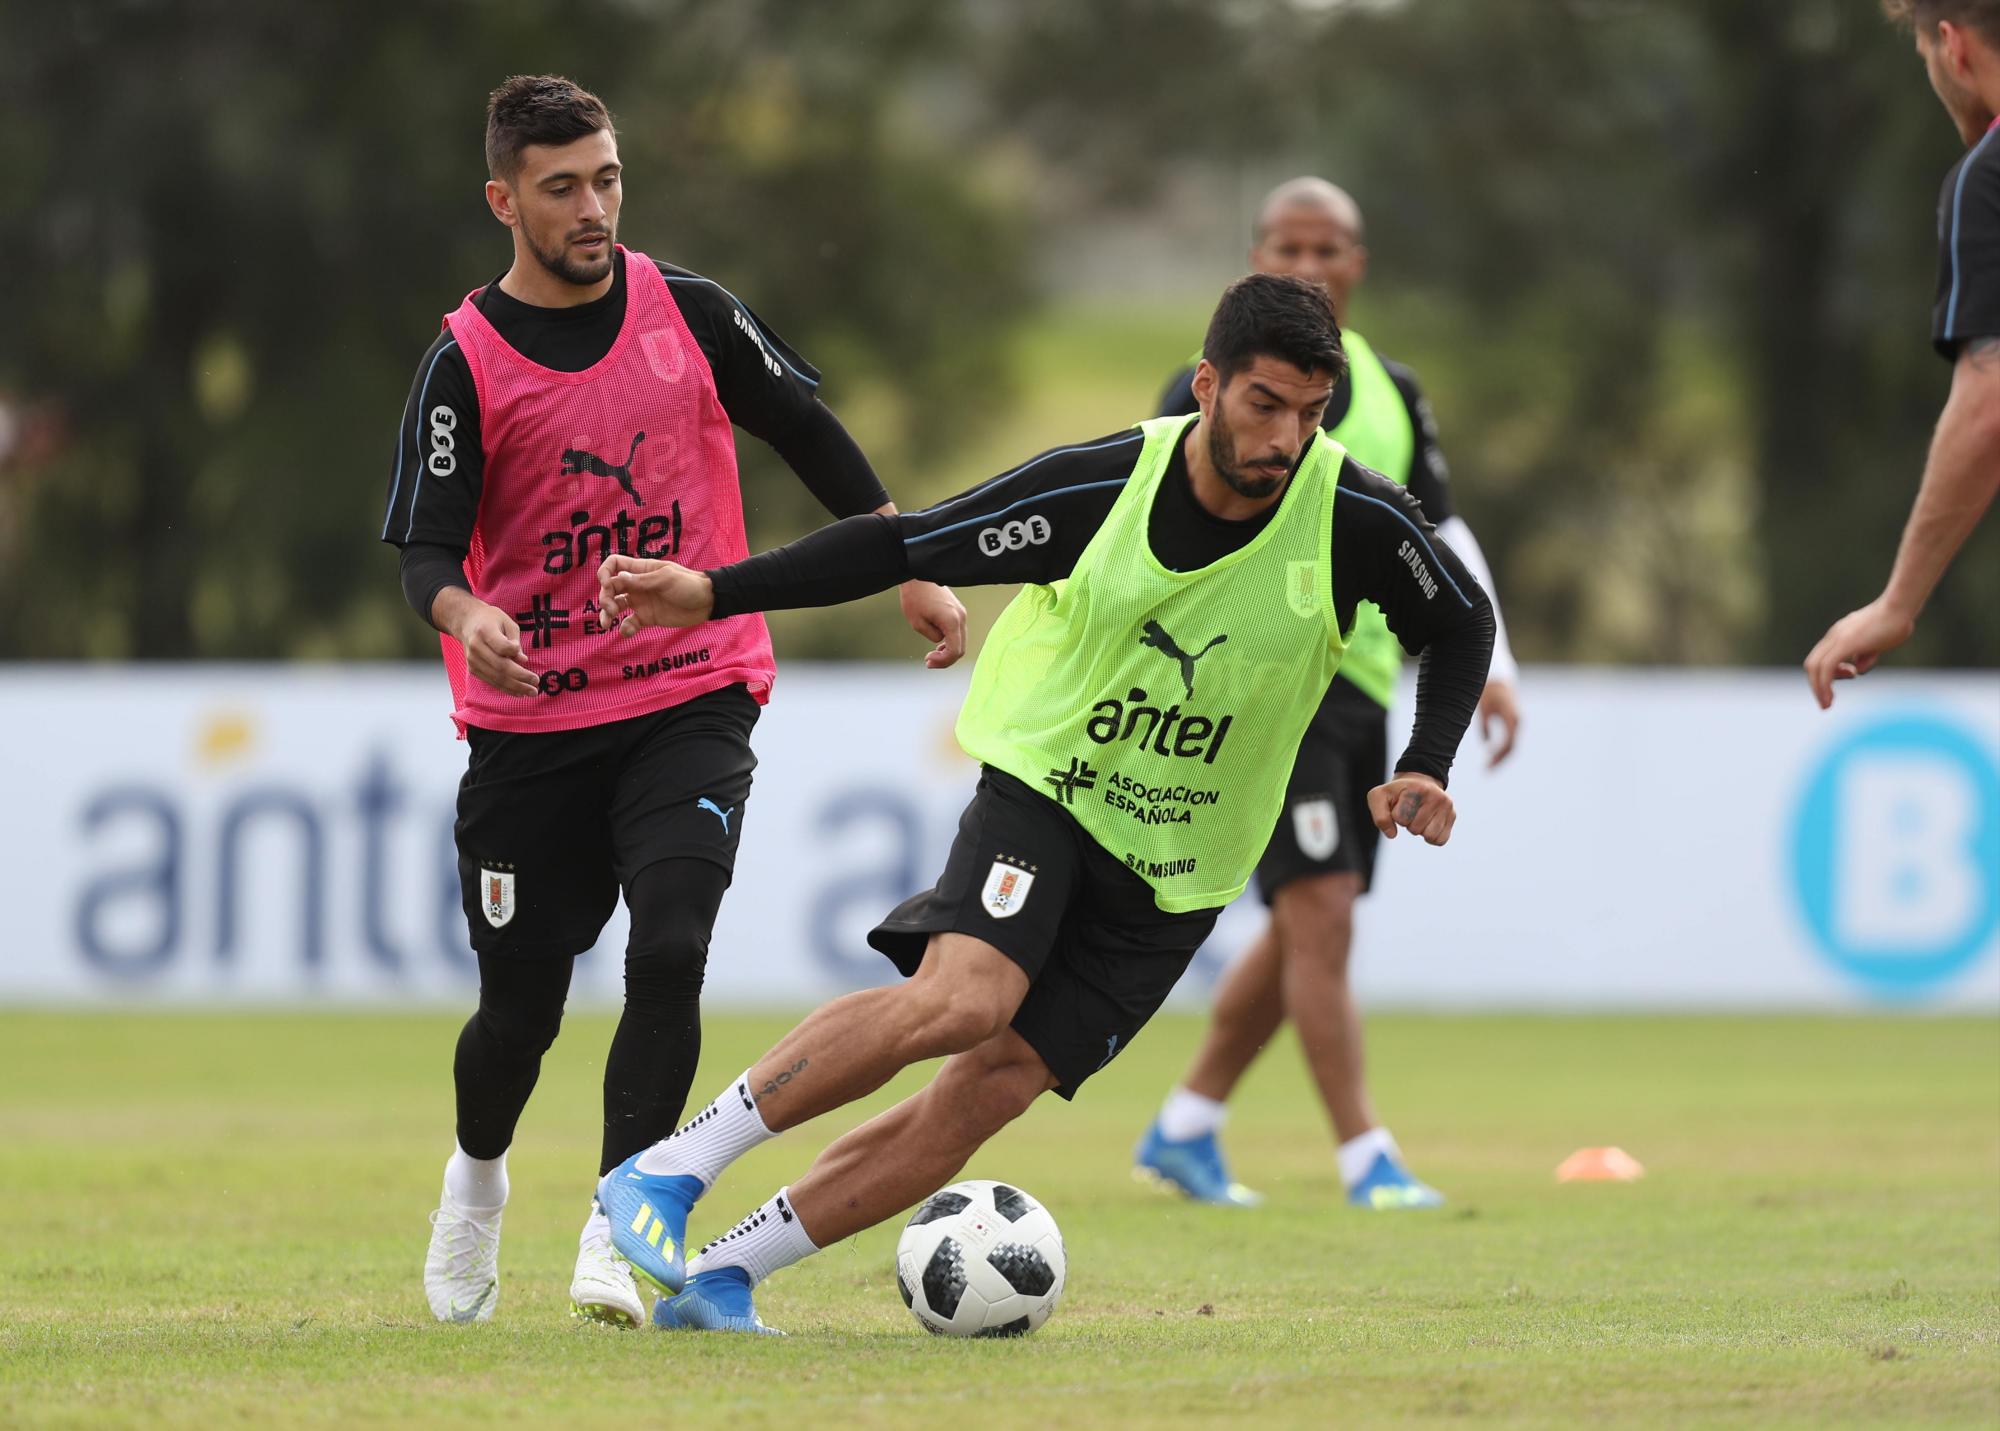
1896 853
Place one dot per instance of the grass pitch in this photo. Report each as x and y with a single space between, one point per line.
210 1219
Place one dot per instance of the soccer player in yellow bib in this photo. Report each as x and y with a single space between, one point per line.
1187 589
1321 856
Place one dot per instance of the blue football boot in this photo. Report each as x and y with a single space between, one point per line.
648 1213
1389 1186
1193 1167
717 1301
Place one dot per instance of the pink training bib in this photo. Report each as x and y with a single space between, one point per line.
633 455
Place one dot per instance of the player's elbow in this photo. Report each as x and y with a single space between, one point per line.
1468 637
1972 412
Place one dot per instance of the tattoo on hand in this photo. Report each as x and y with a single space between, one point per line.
773 1085
1982 353
1407 807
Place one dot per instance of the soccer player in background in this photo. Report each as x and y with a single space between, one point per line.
1135 711
1959 41
1321 857
579 406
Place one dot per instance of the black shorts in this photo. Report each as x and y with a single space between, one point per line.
1099 954
1325 827
552 823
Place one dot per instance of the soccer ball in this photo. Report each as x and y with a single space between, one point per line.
980 1259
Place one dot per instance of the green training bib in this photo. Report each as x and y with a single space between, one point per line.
1163 709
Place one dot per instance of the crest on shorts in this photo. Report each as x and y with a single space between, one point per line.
496 895
1302 587
1317 831
1006 890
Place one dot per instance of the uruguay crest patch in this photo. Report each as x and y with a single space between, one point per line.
1006 890
496 895
1318 833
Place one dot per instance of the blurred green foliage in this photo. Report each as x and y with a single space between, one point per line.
1664 268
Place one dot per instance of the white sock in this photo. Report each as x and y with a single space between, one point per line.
1188 1115
713 1139
768 1239
596 1227
476 1184
1357 1154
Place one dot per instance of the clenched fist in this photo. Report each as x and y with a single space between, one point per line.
1415 803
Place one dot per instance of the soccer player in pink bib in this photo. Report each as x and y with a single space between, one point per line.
579 406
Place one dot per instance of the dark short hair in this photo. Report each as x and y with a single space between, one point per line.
538 109
1979 16
1270 315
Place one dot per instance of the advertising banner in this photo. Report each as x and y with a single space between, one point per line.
280 835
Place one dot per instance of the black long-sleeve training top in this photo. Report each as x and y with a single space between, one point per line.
777 402
1384 551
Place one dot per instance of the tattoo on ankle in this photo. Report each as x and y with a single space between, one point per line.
773 1085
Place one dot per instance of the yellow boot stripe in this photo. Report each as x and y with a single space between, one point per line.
645 1215
653 1233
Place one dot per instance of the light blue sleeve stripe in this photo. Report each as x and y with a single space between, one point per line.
1012 506
1957 200
748 317
417 491
1031 462
396 487
1415 531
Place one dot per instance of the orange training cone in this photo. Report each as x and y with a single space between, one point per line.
1599 1165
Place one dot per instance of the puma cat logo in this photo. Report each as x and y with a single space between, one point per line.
576 461
704 803
1157 638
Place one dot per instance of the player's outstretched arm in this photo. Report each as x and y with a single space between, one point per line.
1960 480
1026 525
841 562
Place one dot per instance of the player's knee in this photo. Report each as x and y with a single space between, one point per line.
521 1030
673 914
1315 919
961 996
955 1017
1013 1090
666 965
995 1103
993 1084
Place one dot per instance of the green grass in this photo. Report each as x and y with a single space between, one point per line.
209 1219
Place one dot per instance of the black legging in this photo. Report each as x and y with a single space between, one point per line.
653 1055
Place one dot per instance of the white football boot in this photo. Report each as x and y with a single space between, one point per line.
462 1268
603 1288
